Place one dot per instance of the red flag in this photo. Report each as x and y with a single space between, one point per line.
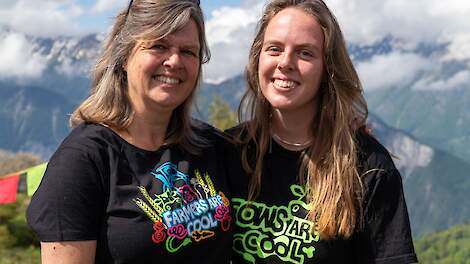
8 189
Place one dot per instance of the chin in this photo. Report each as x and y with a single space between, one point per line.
280 104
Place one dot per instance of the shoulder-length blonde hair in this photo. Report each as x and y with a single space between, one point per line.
147 21
328 168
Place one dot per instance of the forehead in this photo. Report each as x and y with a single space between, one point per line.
187 35
294 24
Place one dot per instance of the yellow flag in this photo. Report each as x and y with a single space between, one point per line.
34 176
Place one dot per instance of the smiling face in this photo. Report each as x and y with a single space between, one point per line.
162 74
291 61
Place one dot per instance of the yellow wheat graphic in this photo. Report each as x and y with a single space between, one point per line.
201 182
150 213
210 184
155 206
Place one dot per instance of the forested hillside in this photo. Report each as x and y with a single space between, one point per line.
451 246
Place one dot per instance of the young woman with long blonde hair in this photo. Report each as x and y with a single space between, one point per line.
315 186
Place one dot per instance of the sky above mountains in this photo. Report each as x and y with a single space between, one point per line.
231 25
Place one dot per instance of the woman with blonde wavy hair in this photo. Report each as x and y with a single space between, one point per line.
318 187
129 184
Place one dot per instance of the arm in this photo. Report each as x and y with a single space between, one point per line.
387 226
67 210
70 252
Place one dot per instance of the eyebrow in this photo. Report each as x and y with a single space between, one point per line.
184 46
316 48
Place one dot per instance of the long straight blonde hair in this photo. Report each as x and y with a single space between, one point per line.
329 166
147 21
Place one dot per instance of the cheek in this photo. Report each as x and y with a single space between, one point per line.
264 69
313 73
192 69
152 63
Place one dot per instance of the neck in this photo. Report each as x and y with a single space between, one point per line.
146 131
292 127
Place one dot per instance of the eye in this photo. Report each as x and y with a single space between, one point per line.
273 50
159 47
306 54
190 52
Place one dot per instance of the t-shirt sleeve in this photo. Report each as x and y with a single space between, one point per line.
69 203
387 227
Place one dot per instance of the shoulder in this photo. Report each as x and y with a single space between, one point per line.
371 153
88 133
88 140
376 166
239 132
237 129
208 132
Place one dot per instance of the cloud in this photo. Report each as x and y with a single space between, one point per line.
430 83
459 48
393 69
18 59
42 18
230 32
413 22
364 22
103 6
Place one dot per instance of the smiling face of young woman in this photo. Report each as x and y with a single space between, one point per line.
162 74
291 61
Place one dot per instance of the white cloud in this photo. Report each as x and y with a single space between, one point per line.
42 18
18 59
103 6
459 79
396 68
230 32
459 48
414 22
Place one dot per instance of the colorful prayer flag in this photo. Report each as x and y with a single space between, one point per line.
8 189
33 177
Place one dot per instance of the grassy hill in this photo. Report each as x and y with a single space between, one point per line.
451 246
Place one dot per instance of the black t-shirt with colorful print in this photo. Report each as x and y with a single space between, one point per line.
164 206
273 227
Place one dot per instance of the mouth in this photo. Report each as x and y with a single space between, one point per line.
284 84
166 79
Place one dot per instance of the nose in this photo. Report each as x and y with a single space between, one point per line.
173 60
286 61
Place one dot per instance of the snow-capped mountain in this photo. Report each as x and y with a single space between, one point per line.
58 64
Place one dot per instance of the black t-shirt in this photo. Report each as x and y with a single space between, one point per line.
164 206
273 228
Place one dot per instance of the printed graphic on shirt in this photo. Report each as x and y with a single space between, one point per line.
275 231
188 209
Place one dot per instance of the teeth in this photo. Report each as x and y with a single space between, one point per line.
168 80
284 84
